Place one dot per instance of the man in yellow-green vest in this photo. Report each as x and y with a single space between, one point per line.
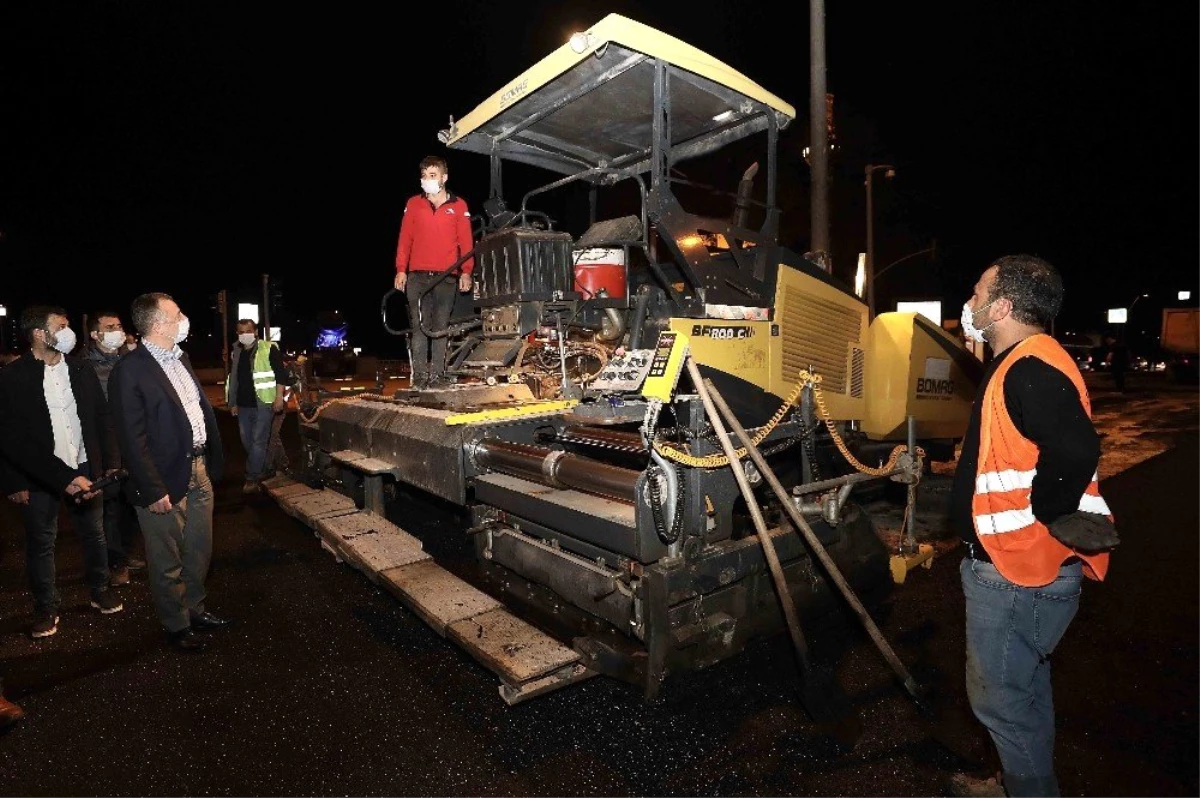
254 392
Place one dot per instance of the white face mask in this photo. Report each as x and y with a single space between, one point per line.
247 339
184 327
431 186
972 332
63 340
113 339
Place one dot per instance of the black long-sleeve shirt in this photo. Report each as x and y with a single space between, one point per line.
1045 407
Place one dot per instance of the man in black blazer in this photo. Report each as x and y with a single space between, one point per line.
172 449
56 438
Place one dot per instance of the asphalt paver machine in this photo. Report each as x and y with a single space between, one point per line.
602 510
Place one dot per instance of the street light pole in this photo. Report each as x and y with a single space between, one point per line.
1129 317
818 127
870 270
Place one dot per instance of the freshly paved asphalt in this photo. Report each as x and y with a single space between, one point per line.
326 685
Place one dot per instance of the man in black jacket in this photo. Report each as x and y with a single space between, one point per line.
172 450
56 438
105 347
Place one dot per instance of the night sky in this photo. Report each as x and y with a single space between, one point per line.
189 147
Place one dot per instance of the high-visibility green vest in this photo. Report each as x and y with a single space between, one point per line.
261 373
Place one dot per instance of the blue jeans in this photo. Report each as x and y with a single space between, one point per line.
254 427
1011 633
40 518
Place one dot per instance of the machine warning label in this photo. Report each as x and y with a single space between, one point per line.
720 332
936 382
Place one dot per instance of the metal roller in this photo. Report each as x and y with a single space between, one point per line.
556 468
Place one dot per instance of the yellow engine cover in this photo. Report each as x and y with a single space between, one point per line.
916 368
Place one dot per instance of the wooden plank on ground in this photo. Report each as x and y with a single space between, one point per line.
510 647
375 552
435 594
288 491
555 680
319 504
344 527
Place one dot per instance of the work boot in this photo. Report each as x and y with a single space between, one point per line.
249 487
135 564
968 786
10 713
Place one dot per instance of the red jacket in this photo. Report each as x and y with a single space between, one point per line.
431 239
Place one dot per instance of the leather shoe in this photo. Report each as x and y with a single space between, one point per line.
10 713
186 640
206 622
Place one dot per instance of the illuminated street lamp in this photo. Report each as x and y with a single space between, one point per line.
889 172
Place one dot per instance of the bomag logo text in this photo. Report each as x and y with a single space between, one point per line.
931 387
513 93
721 333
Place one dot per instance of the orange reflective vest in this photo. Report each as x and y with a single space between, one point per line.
1020 546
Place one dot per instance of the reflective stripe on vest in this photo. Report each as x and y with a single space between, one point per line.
1020 546
1011 520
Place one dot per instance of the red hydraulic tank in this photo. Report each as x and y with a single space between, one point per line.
600 269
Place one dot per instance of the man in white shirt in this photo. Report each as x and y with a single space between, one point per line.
56 439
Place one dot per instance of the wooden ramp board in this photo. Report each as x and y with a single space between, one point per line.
281 487
435 594
376 552
369 543
345 527
511 648
310 507
570 674
528 661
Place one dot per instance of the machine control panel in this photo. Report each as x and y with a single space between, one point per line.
665 365
651 372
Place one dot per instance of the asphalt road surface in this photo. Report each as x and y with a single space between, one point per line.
326 685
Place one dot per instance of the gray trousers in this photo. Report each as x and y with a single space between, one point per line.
178 551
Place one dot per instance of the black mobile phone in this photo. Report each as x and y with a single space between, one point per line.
103 483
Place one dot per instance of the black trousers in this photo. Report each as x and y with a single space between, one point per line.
429 309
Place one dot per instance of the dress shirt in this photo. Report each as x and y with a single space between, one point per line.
185 386
64 414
